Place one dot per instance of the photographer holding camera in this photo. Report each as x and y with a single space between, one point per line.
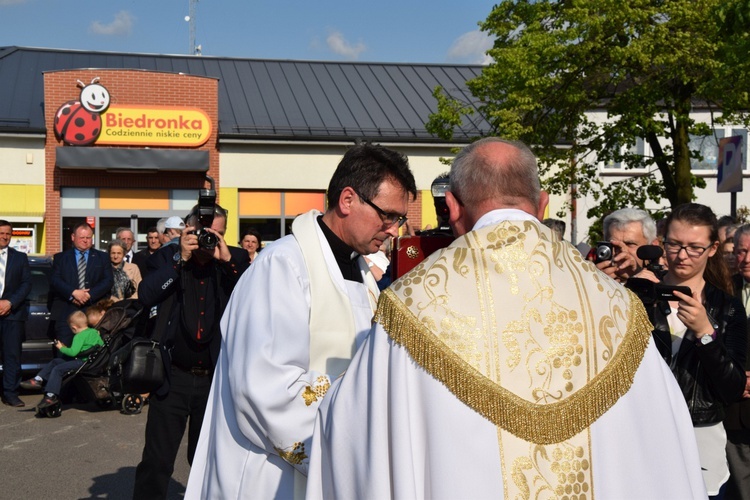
191 282
625 231
700 335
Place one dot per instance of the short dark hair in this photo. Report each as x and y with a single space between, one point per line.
218 212
152 229
364 167
4 222
251 231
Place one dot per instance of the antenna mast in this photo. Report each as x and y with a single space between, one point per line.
191 21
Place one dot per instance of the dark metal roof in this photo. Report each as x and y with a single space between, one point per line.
265 99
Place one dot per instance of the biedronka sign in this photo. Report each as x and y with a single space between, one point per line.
154 126
92 120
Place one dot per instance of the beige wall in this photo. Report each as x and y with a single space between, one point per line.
22 160
290 166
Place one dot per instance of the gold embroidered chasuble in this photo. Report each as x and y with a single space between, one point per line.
519 327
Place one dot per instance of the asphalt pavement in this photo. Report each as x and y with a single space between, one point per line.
86 453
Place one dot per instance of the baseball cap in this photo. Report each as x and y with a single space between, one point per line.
174 222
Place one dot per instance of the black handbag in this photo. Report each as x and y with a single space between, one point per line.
139 366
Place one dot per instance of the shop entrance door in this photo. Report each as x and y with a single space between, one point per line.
108 227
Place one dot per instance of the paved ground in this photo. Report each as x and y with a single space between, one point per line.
87 453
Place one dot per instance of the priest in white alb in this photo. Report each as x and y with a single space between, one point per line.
505 366
293 323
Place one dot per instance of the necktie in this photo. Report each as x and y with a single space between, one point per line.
3 257
82 271
127 258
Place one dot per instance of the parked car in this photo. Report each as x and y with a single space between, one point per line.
37 347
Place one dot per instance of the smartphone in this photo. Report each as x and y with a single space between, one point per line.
666 292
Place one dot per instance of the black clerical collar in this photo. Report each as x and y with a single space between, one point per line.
346 257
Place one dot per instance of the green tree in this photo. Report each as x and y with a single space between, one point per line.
645 63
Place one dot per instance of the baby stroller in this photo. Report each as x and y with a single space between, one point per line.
92 379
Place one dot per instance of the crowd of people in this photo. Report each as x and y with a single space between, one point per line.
502 365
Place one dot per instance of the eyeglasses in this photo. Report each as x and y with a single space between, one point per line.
388 219
691 250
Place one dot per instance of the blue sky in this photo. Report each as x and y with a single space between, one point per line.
437 31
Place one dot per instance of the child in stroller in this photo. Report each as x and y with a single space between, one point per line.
85 340
92 379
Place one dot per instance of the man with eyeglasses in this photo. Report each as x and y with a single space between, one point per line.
504 366
293 323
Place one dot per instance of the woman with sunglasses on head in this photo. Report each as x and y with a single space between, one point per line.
702 336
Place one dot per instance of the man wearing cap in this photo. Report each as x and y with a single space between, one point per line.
173 228
291 327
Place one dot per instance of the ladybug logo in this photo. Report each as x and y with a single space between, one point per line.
78 123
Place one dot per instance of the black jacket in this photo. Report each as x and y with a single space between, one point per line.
711 376
164 287
17 285
738 414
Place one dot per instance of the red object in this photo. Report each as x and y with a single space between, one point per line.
77 126
411 250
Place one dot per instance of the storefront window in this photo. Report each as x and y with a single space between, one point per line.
78 198
272 212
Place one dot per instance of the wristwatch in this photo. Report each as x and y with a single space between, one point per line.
707 338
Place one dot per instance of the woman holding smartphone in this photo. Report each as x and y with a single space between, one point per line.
702 336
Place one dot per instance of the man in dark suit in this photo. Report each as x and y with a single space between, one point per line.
152 245
15 285
737 421
81 276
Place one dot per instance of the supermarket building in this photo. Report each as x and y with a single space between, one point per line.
120 139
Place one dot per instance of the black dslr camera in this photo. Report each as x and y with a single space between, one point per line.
648 291
206 208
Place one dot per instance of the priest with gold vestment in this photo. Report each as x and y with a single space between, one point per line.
505 366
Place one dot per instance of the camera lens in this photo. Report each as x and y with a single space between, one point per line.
208 241
603 252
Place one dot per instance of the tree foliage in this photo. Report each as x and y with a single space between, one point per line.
647 64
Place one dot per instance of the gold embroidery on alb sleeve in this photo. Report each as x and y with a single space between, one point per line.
295 456
317 391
